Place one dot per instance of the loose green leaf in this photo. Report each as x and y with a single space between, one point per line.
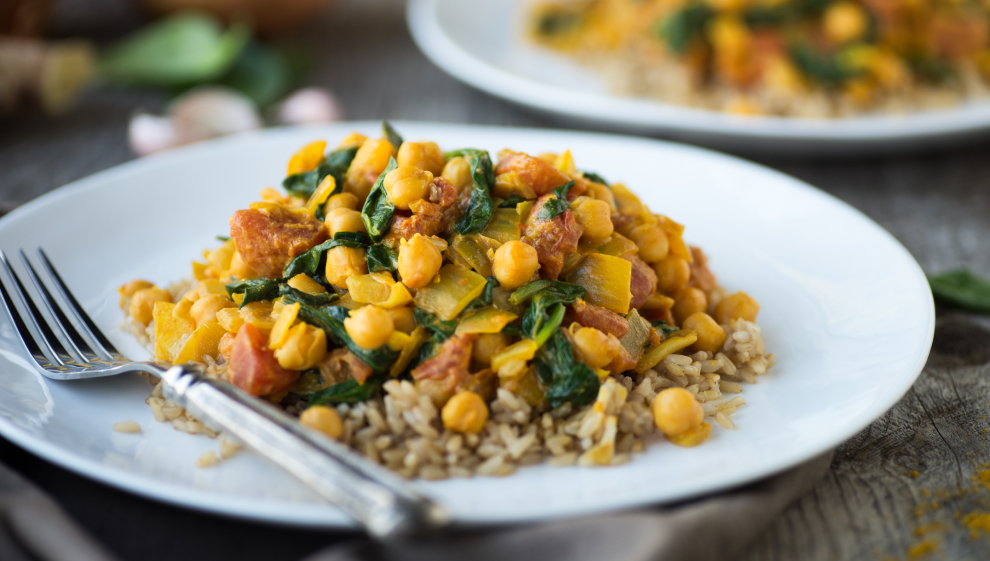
596 178
962 288
331 320
378 209
254 290
349 391
390 135
564 378
382 258
180 50
480 206
511 201
312 261
680 29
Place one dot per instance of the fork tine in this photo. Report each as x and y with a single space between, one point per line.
70 339
40 333
97 340
22 330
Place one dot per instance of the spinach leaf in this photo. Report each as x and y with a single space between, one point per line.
930 69
557 22
312 261
962 288
315 300
487 169
438 326
596 178
564 378
480 206
349 391
378 208
382 258
187 48
485 299
546 309
254 290
661 326
303 184
680 29
511 201
331 320
390 135
554 207
223 238
825 68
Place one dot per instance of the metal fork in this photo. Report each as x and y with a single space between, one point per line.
69 346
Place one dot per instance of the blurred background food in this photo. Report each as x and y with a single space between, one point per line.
808 58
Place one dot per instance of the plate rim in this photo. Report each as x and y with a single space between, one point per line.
643 115
317 515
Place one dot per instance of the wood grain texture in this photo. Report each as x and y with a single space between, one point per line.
870 506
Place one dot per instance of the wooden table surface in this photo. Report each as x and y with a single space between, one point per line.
907 487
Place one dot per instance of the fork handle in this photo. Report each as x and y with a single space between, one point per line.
383 503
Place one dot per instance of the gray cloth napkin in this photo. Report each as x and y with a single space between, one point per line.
33 527
716 527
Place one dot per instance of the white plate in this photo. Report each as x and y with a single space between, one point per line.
844 306
482 43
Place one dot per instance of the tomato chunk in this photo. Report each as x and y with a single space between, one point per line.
253 366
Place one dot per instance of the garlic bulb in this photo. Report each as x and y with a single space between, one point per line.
308 105
148 134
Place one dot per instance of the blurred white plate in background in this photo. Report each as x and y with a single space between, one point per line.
483 43
845 308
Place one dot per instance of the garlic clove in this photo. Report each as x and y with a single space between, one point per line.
148 134
211 111
308 105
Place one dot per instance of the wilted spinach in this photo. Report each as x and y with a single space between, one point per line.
349 391
303 184
661 326
390 135
554 207
331 320
595 177
254 290
962 288
378 208
311 261
546 308
315 300
223 238
486 297
824 67
382 258
681 28
511 201
480 206
564 378
440 331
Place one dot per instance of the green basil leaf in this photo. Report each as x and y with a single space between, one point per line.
254 290
480 206
962 288
311 262
349 391
564 378
390 135
180 50
378 209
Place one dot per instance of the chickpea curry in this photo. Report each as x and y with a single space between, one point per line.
388 260
814 58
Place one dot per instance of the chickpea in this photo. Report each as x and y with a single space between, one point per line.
205 309
369 161
407 185
515 263
304 348
344 220
673 272
596 349
652 242
676 412
465 412
323 419
240 269
488 345
844 22
143 303
340 200
738 305
419 261
403 319
369 327
457 171
595 217
687 301
345 262
424 155
711 336
306 284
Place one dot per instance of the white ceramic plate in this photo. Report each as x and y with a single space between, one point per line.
482 43
844 306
